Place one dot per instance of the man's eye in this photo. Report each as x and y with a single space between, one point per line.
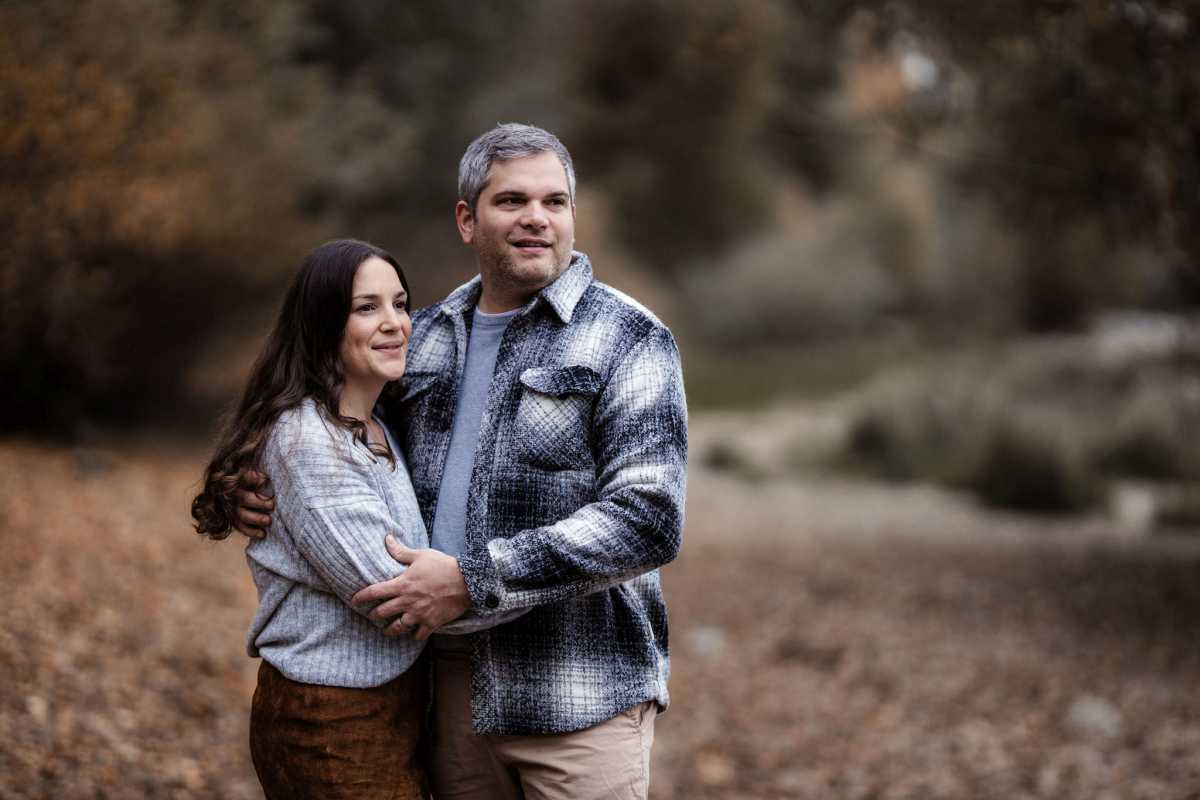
558 202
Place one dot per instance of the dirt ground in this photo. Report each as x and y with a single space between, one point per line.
830 639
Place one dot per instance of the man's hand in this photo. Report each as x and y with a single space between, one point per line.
430 593
255 504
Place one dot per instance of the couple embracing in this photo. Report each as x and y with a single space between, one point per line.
522 447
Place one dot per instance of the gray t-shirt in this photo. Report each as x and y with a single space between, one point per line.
450 519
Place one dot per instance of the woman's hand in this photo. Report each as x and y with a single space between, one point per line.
255 504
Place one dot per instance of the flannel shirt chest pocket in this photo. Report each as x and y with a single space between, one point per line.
553 427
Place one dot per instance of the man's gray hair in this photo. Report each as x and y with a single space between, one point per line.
501 143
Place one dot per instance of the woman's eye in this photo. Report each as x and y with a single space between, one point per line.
366 307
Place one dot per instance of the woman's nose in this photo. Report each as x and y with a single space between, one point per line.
391 320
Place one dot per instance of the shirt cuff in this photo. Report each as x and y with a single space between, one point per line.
483 582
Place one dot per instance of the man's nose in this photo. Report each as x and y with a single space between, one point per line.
535 216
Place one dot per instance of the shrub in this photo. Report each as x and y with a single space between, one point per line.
997 426
876 442
1180 507
920 429
725 456
1156 437
1031 467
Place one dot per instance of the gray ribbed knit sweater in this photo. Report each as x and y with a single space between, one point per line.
334 503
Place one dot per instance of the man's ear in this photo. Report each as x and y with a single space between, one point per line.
465 221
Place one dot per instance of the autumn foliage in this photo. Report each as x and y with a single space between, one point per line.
148 194
814 169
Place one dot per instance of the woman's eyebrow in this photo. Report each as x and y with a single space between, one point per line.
375 296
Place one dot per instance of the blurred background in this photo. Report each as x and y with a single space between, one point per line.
933 268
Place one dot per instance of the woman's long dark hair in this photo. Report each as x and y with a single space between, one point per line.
300 359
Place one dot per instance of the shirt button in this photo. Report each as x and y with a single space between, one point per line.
491 601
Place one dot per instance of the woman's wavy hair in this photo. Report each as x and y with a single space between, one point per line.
301 358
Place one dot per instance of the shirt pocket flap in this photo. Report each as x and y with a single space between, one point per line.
562 381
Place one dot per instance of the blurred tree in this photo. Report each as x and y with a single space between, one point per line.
687 110
1034 161
1088 130
411 85
812 164
148 191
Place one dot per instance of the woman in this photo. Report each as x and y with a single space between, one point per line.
338 707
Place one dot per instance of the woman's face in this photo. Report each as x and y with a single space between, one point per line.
375 342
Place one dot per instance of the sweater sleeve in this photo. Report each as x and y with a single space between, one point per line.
333 506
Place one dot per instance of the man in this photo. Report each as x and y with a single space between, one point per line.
543 417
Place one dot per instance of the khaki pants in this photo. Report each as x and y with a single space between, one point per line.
608 760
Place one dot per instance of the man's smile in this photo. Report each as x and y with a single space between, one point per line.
531 244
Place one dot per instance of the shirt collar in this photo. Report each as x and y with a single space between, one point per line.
562 295
463 298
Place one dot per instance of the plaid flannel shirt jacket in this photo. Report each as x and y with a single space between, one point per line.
576 497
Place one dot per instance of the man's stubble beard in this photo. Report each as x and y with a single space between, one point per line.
505 277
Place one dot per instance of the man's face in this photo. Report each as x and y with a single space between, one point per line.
523 228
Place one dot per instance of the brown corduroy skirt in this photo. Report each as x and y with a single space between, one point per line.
311 741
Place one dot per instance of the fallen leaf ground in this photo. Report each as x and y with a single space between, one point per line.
829 640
